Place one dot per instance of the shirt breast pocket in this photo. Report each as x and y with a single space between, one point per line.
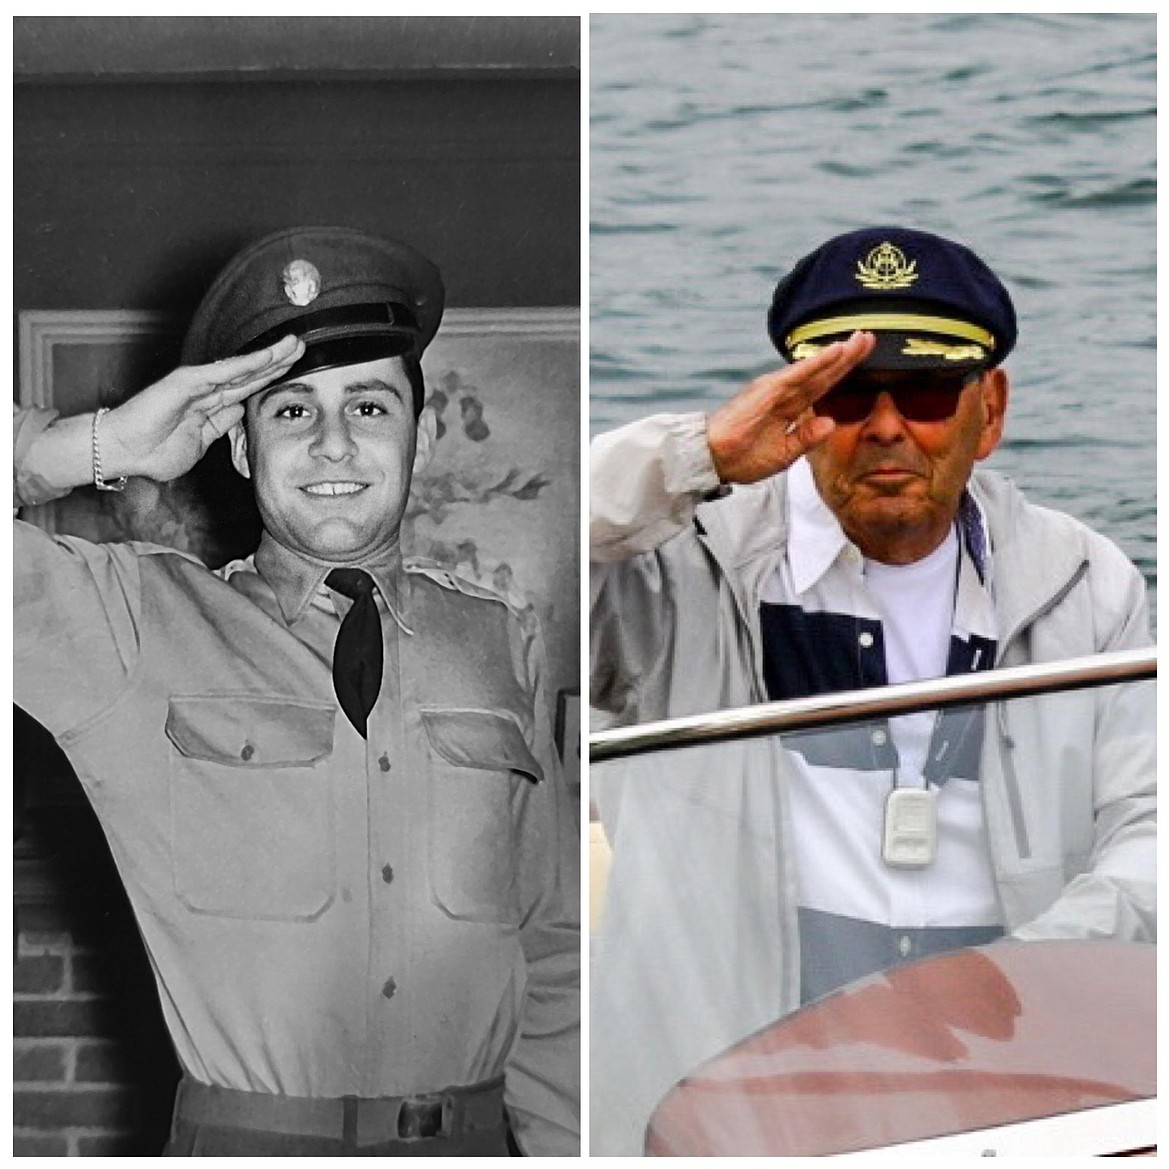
481 771
251 815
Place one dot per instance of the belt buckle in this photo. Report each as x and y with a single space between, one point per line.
422 1117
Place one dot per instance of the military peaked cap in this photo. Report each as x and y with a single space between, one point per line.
930 302
351 297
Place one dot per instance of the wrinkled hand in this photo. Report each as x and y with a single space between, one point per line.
165 429
767 426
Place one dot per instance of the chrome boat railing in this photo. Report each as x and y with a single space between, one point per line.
1011 682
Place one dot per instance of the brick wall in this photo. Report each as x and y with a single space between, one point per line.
66 1099
93 1072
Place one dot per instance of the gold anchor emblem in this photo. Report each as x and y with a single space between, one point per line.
886 267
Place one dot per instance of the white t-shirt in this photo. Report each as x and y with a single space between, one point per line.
916 604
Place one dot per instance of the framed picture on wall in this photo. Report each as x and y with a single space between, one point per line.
499 503
77 362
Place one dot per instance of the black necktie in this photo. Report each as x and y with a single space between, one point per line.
357 653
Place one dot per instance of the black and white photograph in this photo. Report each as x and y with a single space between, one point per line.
296 586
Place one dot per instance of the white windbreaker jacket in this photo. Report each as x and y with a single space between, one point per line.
698 945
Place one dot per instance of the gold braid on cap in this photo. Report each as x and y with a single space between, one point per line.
904 322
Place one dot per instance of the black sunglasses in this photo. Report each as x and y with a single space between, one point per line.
918 395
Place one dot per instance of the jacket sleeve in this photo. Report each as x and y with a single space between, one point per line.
645 482
76 609
1114 896
543 1072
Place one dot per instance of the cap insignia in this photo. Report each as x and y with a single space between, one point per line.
920 347
886 267
301 281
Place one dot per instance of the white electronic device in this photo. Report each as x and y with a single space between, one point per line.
910 828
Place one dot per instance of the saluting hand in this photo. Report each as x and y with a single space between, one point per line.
767 426
165 429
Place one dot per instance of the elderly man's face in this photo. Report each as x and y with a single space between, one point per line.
895 484
331 456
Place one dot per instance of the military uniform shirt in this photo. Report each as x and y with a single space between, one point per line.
325 915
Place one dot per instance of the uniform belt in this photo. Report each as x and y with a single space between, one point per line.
356 1121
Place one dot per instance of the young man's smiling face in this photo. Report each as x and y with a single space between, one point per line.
331 455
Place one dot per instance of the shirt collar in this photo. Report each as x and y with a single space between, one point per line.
973 529
816 538
297 579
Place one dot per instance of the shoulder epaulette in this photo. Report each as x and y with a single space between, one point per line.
149 549
448 578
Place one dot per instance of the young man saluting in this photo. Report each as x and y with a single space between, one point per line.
326 772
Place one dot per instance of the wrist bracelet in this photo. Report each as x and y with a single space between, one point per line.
103 485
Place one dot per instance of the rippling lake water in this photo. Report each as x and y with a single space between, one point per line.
724 147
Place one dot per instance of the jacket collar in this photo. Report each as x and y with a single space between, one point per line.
297 579
1035 564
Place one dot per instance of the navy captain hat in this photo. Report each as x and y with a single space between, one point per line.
351 297
930 302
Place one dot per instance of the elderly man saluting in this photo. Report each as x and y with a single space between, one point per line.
826 530
326 772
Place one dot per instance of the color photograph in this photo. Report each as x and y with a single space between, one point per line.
872 525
